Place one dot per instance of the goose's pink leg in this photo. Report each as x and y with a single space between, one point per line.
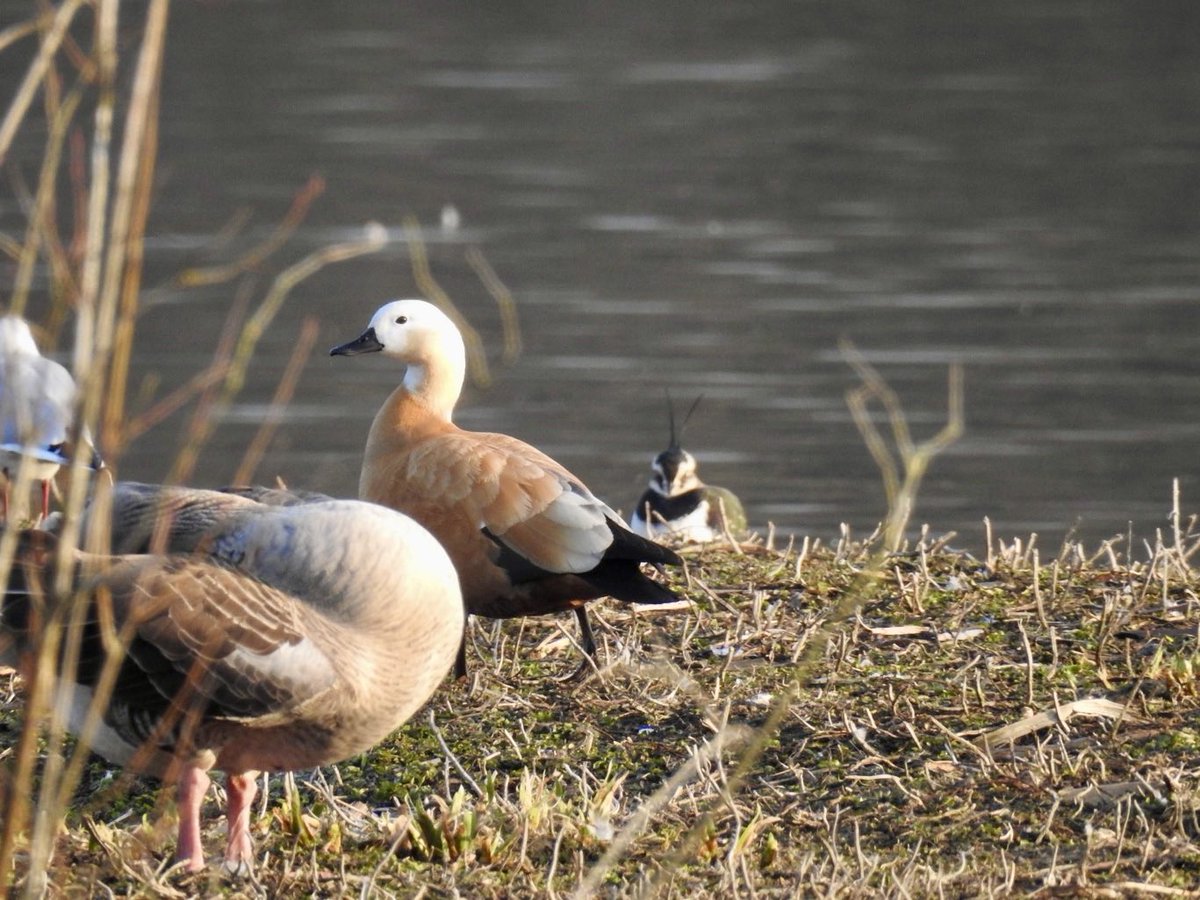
193 785
240 788
45 500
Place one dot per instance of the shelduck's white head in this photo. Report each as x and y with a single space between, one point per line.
427 341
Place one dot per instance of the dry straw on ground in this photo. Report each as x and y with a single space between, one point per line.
971 730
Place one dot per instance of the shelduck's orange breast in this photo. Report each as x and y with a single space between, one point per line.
451 480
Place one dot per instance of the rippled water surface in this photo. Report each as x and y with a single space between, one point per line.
707 198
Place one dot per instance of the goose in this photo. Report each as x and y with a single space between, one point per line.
678 505
37 409
285 637
527 537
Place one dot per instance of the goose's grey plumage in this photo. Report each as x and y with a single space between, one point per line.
526 535
259 637
37 409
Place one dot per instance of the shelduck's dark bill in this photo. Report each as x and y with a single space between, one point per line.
364 343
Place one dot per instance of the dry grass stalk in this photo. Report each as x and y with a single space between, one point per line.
309 330
1059 716
509 321
477 364
39 226
911 458
36 74
373 240
258 255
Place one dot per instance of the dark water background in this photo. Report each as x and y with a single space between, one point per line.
706 197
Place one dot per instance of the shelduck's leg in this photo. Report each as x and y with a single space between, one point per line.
45 500
586 638
240 789
460 659
587 641
193 785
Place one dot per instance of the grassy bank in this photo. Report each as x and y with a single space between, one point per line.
982 725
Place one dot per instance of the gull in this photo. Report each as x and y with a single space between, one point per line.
37 410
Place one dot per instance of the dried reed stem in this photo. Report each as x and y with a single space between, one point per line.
256 256
374 239
43 206
509 322
477 363
914 459
283 396
36 73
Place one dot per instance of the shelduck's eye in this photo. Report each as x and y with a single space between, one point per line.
400 320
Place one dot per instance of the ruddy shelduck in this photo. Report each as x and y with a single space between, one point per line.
527 537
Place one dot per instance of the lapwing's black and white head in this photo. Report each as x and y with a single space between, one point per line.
673 471
678 505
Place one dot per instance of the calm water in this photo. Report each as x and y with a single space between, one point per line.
707 198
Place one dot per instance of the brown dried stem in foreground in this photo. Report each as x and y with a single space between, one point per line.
910 458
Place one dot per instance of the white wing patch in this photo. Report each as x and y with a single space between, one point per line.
301 668
575 511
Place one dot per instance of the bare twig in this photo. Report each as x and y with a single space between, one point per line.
373 240
912 459
256 256
504 300
283 396
35 74
432 291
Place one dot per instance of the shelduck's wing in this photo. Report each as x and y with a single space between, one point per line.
523 498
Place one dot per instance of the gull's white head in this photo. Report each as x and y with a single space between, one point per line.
15 337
